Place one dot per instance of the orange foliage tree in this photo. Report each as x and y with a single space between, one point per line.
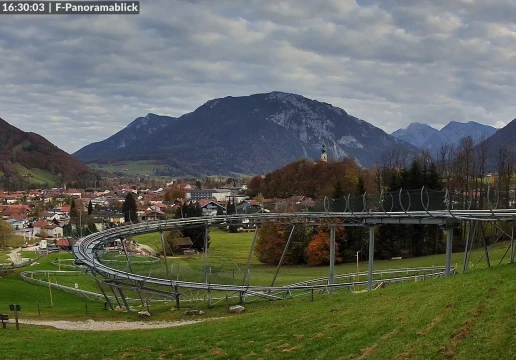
318 250
270 243
272 239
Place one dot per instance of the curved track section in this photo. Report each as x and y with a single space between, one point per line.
85 248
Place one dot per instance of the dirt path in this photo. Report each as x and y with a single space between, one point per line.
108 325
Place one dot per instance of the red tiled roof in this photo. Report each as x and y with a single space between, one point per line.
17 217
150 212
41 223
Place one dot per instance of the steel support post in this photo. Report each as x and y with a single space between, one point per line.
116 297
449 245
108 301
283 255
176 294
127 256
466 251
485 246
331 278
370 265
165 254
124 300
205 267
249 258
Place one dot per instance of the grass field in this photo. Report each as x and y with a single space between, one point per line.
468 316
38 176
131 168
228 255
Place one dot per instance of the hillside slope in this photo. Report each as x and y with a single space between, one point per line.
463 317
26 157
503 137
249 134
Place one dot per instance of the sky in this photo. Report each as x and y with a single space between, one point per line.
78 79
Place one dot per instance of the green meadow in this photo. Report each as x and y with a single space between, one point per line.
467 316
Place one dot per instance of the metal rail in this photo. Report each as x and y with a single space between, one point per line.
85 248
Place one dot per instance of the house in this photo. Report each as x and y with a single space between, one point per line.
218 194
16 224
53 231
211 208
183 244
141 210
99 201
65 244
185 186
18 221
50 215
38 225
63 211
150 215
112 217
44 228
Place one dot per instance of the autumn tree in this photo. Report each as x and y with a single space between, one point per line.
254 187
318 250
174 194
271 241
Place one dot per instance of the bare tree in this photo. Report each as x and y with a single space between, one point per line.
481 165
505 166
391 161
464 166
445 157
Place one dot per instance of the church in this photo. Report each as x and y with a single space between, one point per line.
324 155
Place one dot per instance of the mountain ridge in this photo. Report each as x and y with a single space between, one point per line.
248 134
432 139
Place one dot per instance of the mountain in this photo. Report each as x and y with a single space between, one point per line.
426 137
26 158
416 133
128 138
249 134
503 137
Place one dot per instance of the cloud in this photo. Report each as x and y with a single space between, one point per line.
79 79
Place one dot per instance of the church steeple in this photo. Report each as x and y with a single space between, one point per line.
324 155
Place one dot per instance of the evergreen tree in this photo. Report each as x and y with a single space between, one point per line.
338 202
73 209
338 192
129 208
90 208
361 186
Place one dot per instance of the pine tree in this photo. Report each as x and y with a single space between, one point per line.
361 186
129 208
338 202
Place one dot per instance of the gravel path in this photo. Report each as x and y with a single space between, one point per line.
108 325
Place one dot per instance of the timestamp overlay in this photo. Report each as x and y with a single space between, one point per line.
69 7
